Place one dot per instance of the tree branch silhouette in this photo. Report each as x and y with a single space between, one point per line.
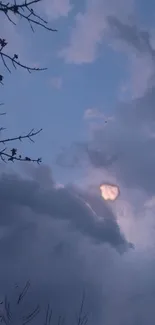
12 156
8 313
7 316
26 12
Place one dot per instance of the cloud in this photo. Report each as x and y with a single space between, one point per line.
60 256
84 39
43 248
51 236
96 119
79 152
63 204
126 146
102 21
141 76
93 113
139 39
55 9
56 82
89 29
137 44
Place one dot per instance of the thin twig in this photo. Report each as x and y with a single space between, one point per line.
23 293
31 316
21 137
11 158
18 9
14 61
49 314
82 319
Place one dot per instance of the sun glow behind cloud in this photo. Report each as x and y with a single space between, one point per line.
109 192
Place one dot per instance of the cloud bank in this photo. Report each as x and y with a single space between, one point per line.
50 235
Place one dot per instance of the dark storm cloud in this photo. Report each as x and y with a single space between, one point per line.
44 235
59 204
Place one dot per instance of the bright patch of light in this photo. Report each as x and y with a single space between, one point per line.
109 192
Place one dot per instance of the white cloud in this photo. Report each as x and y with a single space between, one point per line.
141 77
93 113
89 30
57 8
84 39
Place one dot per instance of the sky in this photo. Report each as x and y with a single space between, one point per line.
95 103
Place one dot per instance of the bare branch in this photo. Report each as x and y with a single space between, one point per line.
23 293
82 318
6 316
49 314
12 156
30 16
7 308
21 137
3 154
25 11
15 62
61 320
31 316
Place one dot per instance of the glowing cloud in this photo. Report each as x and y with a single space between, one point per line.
109 192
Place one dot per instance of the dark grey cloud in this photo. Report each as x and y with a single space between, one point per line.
37 242
42 240
51 237
60 204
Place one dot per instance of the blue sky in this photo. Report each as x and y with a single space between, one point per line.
95 103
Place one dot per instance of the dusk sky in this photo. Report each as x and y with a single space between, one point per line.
96 105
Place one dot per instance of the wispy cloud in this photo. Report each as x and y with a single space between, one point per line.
89 30
137 44
55 9
56 82
93 113
128 143
137 38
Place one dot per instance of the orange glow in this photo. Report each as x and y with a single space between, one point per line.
109 192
